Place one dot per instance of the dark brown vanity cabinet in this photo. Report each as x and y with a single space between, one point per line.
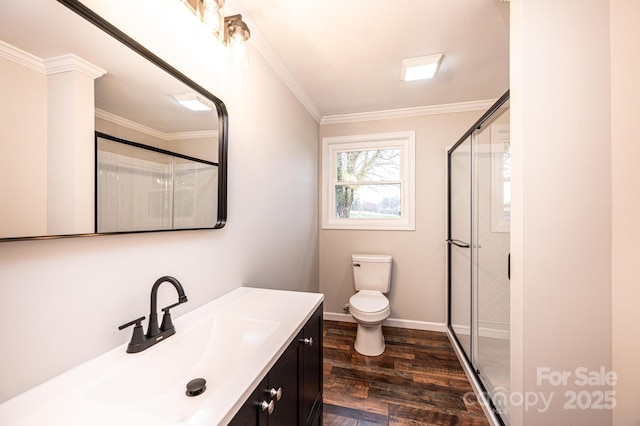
310 371
291 393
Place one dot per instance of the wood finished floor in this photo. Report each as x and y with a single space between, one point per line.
418 380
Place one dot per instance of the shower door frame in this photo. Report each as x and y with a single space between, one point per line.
477 383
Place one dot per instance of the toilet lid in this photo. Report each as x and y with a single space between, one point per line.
369 301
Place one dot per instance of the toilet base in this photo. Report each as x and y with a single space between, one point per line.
369 339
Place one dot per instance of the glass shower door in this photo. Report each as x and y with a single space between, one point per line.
478 237
491 246
459 239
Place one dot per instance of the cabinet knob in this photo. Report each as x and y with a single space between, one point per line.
264 405
307 341
277 394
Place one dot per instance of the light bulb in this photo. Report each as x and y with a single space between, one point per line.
210 15
238 52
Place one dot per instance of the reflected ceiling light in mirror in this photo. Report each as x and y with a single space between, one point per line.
194 102
420 68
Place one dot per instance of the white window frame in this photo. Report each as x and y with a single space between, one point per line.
500 140
406 143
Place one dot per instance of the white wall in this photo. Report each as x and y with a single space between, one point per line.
61 301
625 104
561 209
418 288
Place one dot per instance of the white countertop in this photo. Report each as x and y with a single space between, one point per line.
117 388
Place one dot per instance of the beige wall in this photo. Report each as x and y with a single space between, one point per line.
23 164
418 290
561 210
61 301
203 148
625 105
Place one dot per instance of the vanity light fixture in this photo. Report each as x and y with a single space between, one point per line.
235 29
228 30
208 12
194 102
420 68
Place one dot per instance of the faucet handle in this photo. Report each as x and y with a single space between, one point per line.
167 324
165 310
137 322
138 336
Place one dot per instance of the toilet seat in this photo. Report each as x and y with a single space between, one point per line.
369 305
370 301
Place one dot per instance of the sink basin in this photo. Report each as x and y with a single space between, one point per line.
231 342
151 385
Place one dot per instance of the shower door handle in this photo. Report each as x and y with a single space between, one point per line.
458 243
509 266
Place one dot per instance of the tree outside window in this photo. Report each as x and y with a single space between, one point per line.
368 184
368 181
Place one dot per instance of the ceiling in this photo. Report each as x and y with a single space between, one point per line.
344 56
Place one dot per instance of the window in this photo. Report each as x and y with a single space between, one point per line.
500 178
368 181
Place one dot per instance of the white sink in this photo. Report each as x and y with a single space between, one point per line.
231 342
156 383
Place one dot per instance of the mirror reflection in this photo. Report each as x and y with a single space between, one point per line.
59 88
142 188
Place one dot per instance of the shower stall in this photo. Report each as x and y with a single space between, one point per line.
478 254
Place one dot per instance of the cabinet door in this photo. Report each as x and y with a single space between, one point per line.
251 413
284 376
298 376
311 371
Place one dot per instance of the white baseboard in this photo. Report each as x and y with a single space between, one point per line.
392 322
333 316
494 329
487 329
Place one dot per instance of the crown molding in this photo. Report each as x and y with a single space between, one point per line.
196 134
264 48
408 112
71 62
50 66
121 121
116 119
21 57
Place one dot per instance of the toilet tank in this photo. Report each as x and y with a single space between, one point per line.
372 272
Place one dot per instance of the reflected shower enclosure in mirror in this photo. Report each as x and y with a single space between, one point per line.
141 188
65 74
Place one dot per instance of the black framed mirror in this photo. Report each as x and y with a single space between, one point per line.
65 74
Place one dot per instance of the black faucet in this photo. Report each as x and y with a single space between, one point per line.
141 341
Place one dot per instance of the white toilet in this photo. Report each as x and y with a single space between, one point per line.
369 307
